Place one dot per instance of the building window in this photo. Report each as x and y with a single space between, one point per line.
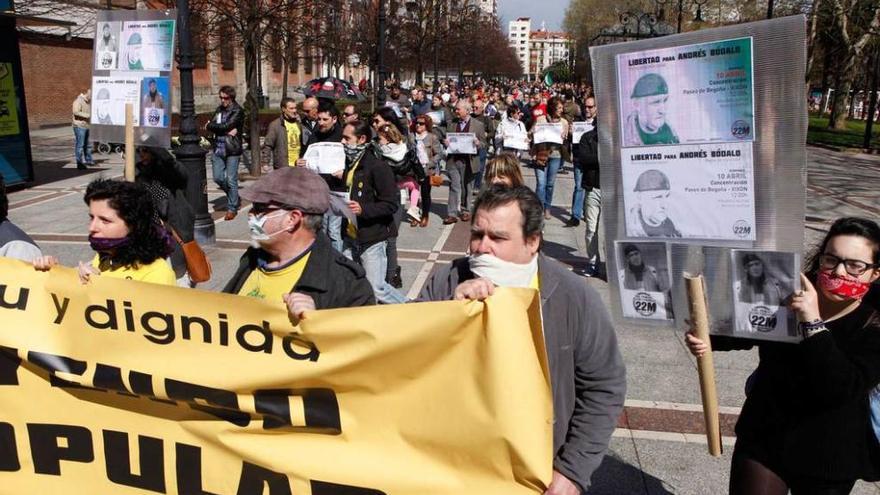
199 49
307 60
294 63
227 49
276 55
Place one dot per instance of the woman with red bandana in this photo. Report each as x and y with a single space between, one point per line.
805 425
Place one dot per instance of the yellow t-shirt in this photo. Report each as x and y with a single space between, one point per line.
157 272
271 284
293 144
351 229
535 283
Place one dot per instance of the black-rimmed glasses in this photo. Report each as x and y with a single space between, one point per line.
852 267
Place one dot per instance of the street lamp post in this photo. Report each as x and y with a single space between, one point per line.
380 56
699 3
190 154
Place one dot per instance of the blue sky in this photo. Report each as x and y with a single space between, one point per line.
551 11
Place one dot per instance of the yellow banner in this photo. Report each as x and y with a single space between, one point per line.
133 388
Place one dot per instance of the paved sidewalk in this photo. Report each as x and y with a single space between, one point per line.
658 448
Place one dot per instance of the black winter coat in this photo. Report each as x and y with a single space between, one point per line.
329 278
235 120
586 155
374 188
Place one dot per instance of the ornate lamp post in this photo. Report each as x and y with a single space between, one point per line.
190 154
380 56
699 3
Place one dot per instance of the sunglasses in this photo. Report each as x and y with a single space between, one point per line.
346 114
225 98
377 121
420 123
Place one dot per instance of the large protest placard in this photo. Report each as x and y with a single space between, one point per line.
129 387
687 127
133 59
705 153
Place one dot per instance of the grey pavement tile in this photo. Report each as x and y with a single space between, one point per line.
64 215
678 382
620 472
683 468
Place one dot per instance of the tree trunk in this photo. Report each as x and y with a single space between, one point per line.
872 105
851 112
420 67
252 67
826 75
285 69
845 84
811 37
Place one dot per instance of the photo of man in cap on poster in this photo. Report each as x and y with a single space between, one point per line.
102 107
647 217
646 124
133 52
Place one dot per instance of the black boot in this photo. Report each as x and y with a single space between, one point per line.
396 281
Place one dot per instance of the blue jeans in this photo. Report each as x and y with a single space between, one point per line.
83 148
375 264
577 196
333 227
225 171
478 180
545 178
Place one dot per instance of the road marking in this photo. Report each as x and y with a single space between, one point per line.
665 436
39 200
429 263
677 406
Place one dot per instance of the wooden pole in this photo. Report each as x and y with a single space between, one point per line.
129 142
705 366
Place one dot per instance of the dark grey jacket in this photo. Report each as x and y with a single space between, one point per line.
586 370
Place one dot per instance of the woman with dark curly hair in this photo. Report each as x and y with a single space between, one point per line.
805 425
123 232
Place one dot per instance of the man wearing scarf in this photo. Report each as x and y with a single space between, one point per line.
587 372
636 274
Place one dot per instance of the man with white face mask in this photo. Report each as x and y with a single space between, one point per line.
587 372
291 259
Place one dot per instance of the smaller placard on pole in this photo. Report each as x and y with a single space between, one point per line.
705 365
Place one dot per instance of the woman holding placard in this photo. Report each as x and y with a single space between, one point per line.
511 136
545 175
805 424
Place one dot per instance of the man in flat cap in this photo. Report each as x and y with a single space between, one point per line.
291 259
648 217
646 124
133 54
